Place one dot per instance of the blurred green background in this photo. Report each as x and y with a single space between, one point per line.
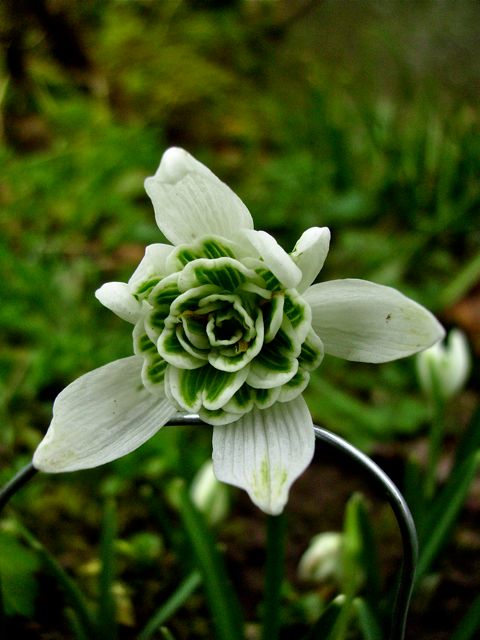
359 115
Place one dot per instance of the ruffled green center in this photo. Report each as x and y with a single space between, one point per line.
222 334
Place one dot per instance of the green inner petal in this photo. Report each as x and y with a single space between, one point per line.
195 331
235 357
273 316
271 369
144 288
171 349
216 301
298 312
226 273
165 292
201 354
223 329
312 352
206 247
271 282
295 386
190 300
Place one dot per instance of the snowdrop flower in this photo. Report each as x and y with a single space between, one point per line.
323 558
209 495
227 325
449 362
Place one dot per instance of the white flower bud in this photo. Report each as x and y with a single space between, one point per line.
209 495
449 363
323 559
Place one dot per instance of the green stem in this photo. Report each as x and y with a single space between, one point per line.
221 598
276 530
70 588
168 608
437 430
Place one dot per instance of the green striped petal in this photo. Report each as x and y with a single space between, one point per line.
239 355
217 301
225 273
312 351
295 386
224 324
151 269
273 316
217 417
171 350
201 354
195 331
271 369
164 293
299 313
205 387
190 300
265 451
206 247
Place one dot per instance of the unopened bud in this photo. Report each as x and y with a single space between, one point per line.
447 365
210 496
323 559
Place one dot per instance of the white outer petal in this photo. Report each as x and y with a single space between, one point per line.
190 201
100 417
152 264
309 254
265 451
117 297
276 259
366 322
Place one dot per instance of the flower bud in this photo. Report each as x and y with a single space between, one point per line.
209 495
323 559
447 364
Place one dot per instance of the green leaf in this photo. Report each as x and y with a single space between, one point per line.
325 625
72 592
221 598
444 512
368 621
470 440
107 626
174 602
470 624
18 565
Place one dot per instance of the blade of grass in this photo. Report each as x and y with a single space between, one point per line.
221 598
368 622
72 592
444 512
470 624
106 603
276 529
470 440
174 602
326 623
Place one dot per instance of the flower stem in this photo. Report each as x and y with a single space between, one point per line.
276 531
437 430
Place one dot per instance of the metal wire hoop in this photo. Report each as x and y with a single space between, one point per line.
375 473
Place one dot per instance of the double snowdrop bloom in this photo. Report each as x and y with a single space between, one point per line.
227 325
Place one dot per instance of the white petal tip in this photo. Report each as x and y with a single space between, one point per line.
175 164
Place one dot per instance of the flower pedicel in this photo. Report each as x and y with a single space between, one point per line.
227 325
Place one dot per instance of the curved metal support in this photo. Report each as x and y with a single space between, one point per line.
405 522
380 479
16 483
